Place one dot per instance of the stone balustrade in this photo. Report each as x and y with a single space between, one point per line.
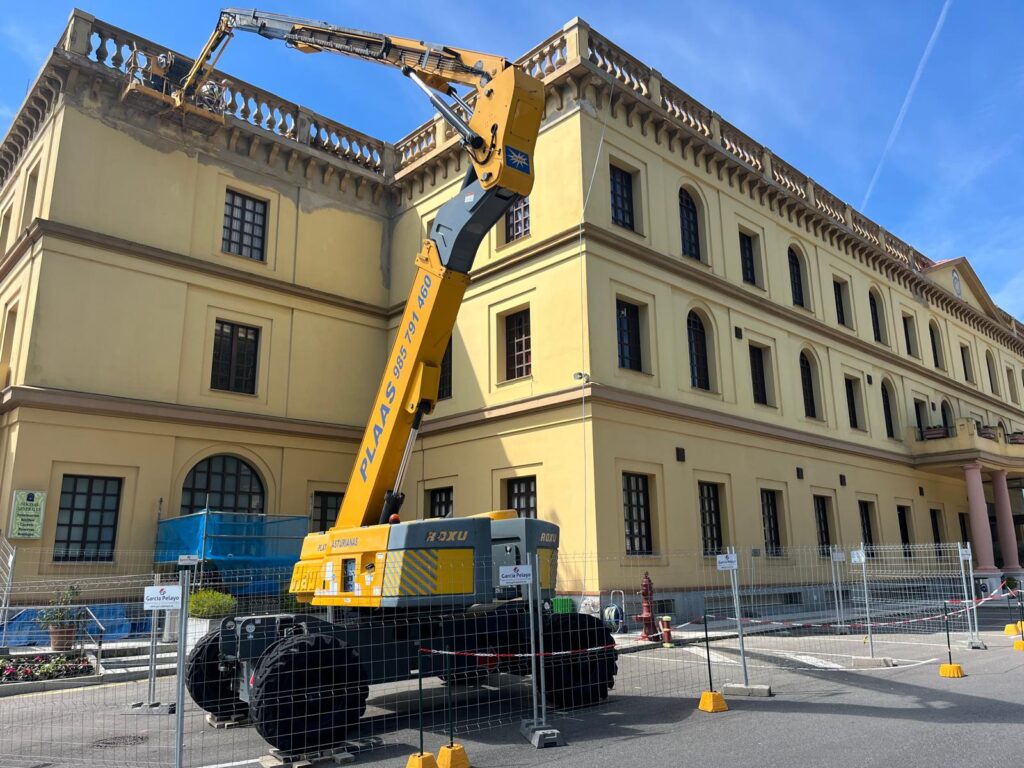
118 49
741 146
687 110
546 58
789 178
609 58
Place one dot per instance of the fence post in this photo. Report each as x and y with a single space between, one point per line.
184 582
867 597
539 606
153 621
972 627
7 596
734 579
533 643
970 580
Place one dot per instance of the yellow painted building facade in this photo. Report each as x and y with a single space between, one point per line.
632 361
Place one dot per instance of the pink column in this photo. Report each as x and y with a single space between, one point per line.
1004 521
981 532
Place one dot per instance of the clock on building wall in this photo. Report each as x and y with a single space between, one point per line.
958 289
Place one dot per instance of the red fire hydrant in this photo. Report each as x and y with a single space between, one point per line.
646 615
665 625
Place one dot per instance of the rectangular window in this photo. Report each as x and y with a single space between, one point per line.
910 335
867 531
441 502
5 231
821 520
758 375
28 205
518 358
903 517
854 406
628 328
622 198
245 226
748 258
326 505
87 519
521 495
636 505
710 518
965 528
842 293
965 357
936 520
517 220
235 352
770 521
444 381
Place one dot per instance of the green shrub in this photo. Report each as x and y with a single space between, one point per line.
211 604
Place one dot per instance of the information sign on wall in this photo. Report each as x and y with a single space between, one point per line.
27 515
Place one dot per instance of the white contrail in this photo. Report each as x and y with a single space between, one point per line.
906 101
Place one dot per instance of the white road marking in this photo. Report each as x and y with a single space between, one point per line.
250 761
813 661
716 658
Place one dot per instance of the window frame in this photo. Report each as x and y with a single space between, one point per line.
637 514
844 306
823 523
904 514
709 506
689 226
935 341
440 499
808 386
760 375
206 466
854 388
889 416
910 338
236 368
234 224
518 342
67 549
797 279
967 361
623 197
699 352
866 512
323 502
444 377
517 220
876 309
629 334
771 521
749 256
521 495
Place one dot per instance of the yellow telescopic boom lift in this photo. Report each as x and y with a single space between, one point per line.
396 587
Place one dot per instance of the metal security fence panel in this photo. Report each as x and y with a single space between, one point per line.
75 684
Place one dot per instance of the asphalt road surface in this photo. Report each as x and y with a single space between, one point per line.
822 714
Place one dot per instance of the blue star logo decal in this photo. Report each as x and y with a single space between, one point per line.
517 159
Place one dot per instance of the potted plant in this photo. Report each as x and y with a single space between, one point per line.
62 618
206 608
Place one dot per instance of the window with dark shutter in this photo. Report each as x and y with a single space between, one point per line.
87 519
890 422
521 495
821 505
758 376
622 198
876 320
628 327
867 533
770 521
710 518
839 288
245 225
689 225
807 384
636 503
442 502
747 265
796 278
444 381
700 372
903 518
851 403
518 356
235 353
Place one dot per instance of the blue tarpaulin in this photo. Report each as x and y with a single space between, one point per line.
232 541
25 629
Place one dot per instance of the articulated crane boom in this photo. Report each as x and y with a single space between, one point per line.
399 586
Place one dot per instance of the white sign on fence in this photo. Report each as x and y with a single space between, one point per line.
838 556
857 557
165 598
510 575
184 560
727 562
965 554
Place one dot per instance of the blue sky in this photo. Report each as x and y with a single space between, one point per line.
820 83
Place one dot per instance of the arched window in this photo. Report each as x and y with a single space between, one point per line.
796 278
948 419
889 410
935 335
993 381
808 383
689 225
700 370
222 483
877 317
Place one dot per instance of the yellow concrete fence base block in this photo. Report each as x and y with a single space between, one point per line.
421 760
452 757
712 701
1018 645
951 670
1012 629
